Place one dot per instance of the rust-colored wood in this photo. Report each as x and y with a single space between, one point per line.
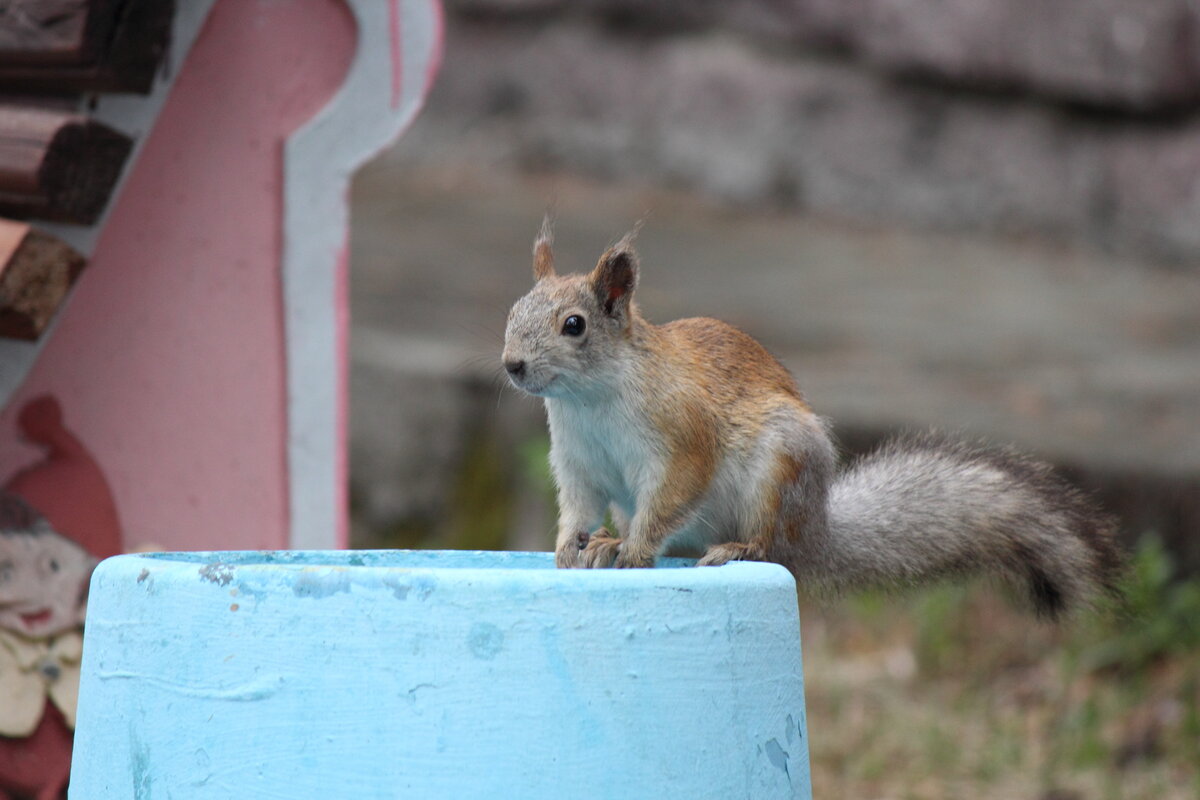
36 273
57 165
82 45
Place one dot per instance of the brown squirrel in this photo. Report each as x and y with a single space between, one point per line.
697 440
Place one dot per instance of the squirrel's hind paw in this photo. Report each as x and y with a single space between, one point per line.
723 553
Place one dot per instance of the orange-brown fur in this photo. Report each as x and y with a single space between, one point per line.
695 438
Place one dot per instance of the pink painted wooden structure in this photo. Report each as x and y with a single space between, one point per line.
201 358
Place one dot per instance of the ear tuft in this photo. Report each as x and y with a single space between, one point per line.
615 276
543 254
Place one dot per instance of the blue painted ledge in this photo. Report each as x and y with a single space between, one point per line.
426 674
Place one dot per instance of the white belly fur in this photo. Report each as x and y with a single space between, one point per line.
620 459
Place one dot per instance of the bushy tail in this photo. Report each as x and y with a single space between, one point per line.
922 508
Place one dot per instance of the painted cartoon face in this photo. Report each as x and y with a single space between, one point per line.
43 581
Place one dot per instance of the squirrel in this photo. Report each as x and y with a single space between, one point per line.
697 440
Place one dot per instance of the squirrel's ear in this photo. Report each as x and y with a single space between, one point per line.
615 277
543 255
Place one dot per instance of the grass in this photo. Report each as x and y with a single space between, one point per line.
954 693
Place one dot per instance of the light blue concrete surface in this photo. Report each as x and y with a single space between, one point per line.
389 674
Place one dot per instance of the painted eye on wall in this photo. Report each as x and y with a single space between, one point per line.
574 325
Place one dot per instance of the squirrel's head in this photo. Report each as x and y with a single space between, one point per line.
565 337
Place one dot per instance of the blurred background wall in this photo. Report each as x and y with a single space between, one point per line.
976 215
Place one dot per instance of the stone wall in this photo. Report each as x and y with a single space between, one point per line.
1058 120
1069 118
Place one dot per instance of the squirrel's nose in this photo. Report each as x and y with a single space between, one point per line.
515 368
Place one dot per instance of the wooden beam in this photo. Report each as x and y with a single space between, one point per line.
57 165
82 45
36 272
55 32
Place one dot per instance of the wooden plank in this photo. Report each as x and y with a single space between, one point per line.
57 165
36 272
82 45
55 32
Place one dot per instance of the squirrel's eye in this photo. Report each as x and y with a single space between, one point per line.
573 325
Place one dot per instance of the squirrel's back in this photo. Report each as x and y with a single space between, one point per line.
731 367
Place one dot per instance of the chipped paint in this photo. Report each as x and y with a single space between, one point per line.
403 584
777 756
485 640
535 677
139 767
217 572
259 689
321 583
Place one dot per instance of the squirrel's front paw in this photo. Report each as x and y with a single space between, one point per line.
601 552
567 553
609 551
633 557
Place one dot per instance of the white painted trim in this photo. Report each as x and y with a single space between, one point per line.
320 159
